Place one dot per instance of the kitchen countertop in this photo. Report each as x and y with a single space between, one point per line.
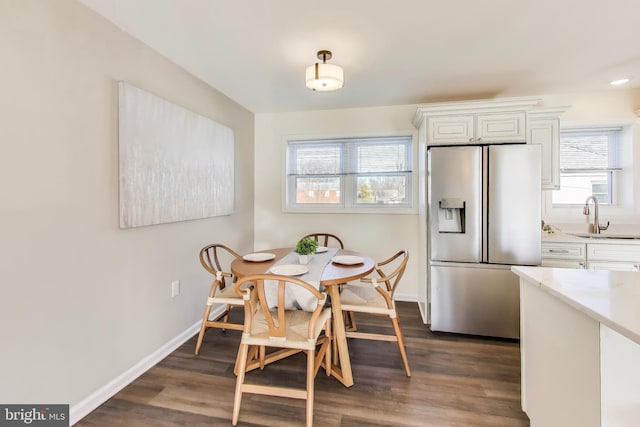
568 238
610 297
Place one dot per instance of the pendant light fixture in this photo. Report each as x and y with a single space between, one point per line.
324 77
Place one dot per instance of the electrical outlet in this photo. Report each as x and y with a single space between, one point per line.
175 288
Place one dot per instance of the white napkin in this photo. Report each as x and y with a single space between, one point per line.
297 298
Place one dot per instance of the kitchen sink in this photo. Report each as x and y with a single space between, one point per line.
606 236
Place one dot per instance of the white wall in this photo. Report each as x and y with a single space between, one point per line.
378 235
82 300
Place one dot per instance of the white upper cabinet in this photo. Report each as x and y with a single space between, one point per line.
470 129
475 122
507 120
505 127
450 129
543 128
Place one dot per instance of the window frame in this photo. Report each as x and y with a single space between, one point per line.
348 180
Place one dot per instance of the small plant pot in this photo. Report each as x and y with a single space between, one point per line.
303 259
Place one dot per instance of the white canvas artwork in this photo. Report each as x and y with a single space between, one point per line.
175 165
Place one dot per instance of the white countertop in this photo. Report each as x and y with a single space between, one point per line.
610 297
568 238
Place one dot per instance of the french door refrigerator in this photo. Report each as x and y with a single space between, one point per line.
484 211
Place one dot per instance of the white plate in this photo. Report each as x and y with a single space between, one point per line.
347 259
289 269
259 257
321 249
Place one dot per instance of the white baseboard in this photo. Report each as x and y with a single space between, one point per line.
406 297
104 393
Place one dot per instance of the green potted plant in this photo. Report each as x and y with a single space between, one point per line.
304 248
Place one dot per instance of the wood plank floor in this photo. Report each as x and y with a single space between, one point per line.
456 381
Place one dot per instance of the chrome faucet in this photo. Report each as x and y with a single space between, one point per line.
596 227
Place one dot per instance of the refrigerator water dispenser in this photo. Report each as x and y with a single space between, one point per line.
451 214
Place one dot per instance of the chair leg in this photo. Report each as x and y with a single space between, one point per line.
237 398
225 318
262 355
310 385
351 317
203 328
329 333
401 345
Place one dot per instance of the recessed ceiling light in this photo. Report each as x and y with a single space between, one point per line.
619 82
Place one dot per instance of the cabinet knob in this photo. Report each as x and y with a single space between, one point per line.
479 139
470 139
636 267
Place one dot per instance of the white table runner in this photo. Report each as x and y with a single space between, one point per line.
297 298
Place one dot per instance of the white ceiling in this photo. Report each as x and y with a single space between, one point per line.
392 52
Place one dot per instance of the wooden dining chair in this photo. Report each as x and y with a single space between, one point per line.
282 328
376 296
326 239
212 257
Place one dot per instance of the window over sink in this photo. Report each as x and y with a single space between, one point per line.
589 162
350 174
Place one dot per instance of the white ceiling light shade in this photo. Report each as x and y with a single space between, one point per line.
324 77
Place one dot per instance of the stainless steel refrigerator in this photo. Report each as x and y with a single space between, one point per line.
484 211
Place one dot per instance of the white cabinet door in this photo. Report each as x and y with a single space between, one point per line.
613 256
543 127
505 127
546 132
450 129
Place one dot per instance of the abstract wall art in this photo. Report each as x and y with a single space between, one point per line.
175 165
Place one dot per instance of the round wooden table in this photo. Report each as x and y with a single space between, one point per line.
332 276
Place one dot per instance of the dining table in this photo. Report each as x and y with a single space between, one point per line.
334 274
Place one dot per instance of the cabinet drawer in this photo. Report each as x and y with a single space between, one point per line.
570 251
564 263
501 127
613 252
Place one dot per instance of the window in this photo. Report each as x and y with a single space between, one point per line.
588 160
349 173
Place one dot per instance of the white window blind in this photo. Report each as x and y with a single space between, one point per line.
589 150
588 159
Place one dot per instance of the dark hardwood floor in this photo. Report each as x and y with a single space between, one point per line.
456 381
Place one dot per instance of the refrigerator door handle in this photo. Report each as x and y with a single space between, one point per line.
485 203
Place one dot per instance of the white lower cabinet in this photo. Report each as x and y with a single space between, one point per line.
612 256
593 256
